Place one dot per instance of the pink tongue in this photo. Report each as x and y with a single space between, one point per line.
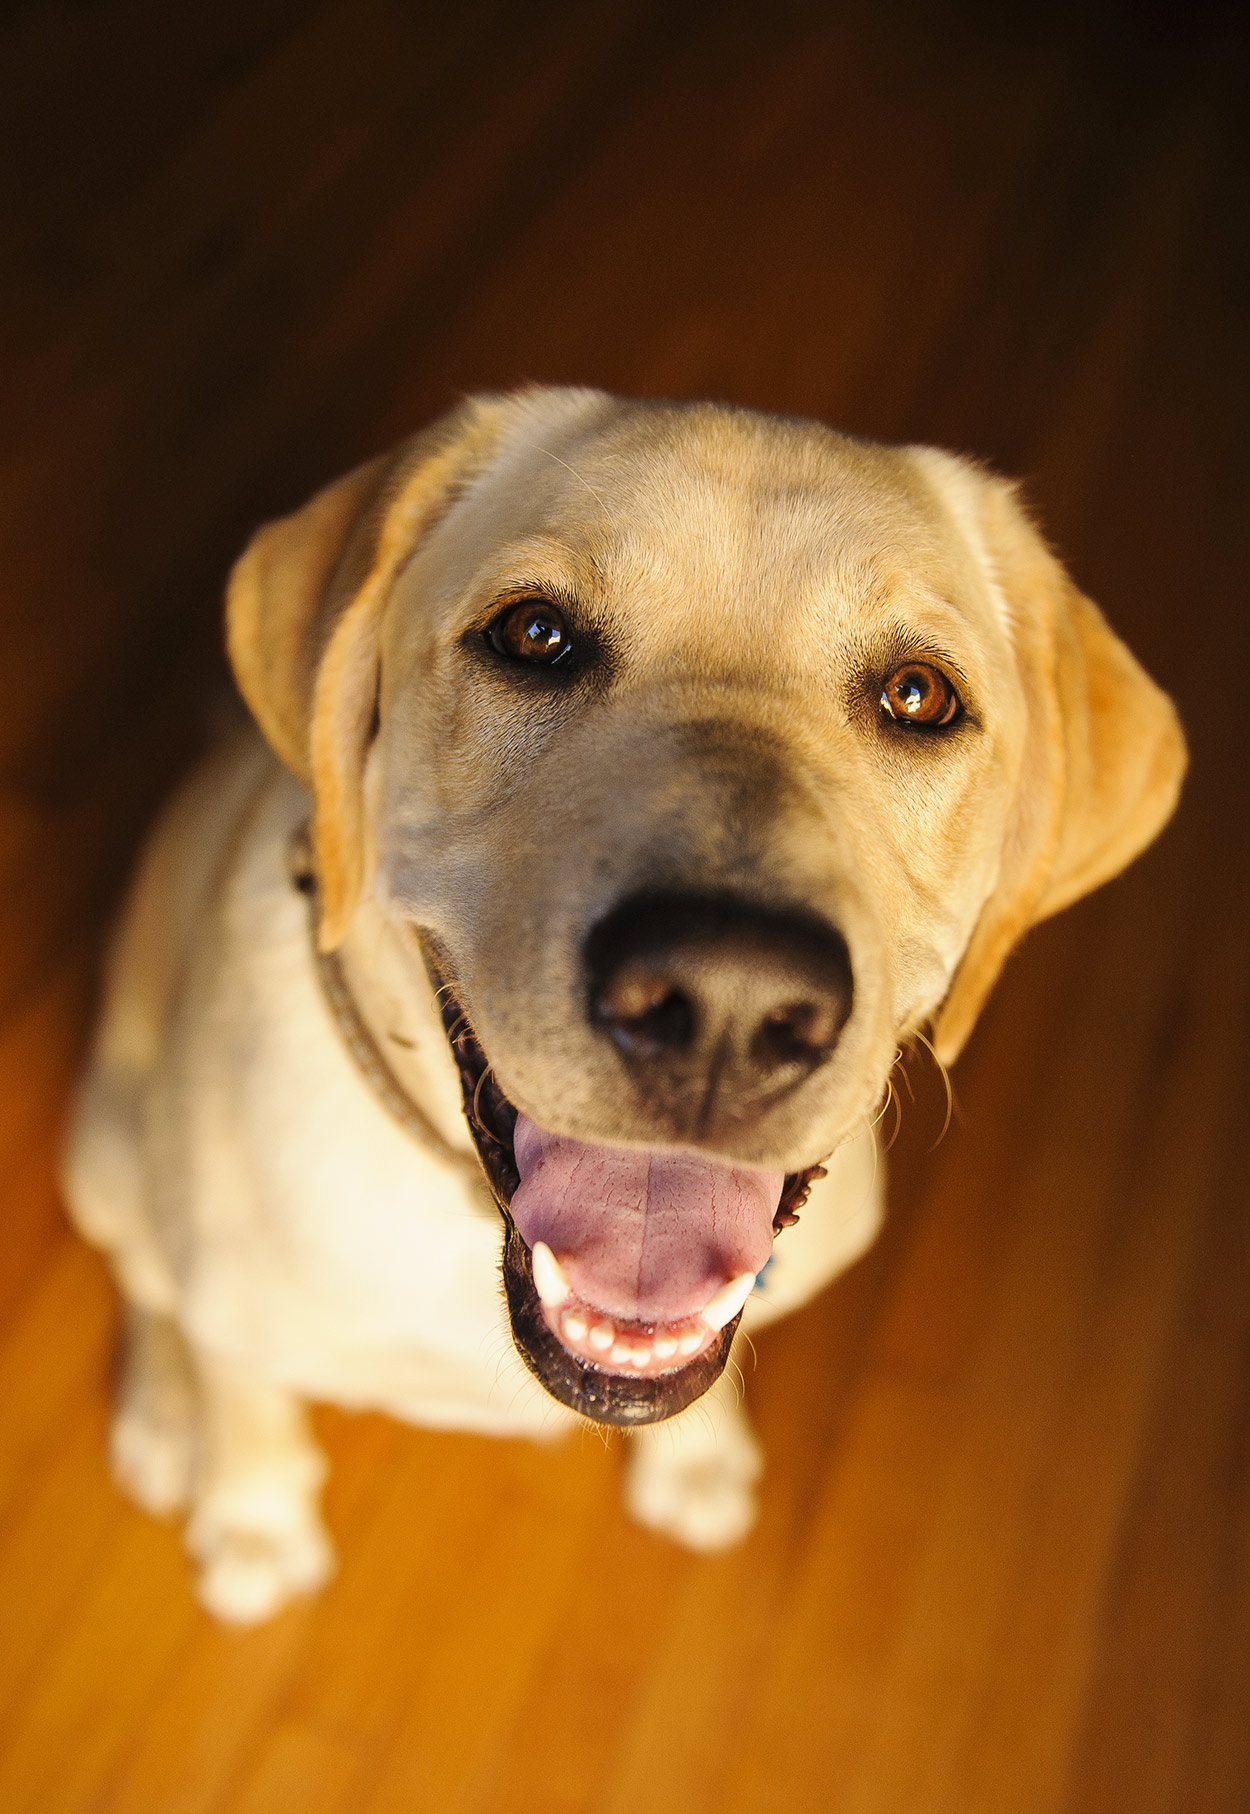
646 1237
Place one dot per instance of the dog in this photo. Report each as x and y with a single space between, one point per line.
636 780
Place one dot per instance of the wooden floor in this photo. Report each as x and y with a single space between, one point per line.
1004 1560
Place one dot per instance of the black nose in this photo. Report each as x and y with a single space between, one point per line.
699 993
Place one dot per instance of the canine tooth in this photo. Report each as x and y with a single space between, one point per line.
728 1301
664 1346
574 1325
601 1337
692 1339
549 1280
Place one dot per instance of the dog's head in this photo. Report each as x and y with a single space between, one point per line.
707 756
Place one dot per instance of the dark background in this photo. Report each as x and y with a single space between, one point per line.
1004 1561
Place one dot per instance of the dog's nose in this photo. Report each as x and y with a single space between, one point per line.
695 991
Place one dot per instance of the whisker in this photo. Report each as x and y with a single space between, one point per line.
887 1098
890 1100
898 1120
704 1416
578 476
876 1154
599 1430
477 1096
946 1080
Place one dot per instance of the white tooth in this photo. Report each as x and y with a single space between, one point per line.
601 1337
692 1339
574 1325
640 1354
728 1301
621 1352
665 1346
549 1280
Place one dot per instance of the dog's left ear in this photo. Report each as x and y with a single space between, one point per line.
303 611
1103 755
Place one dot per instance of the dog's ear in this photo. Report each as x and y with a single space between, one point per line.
303 611
1103 755
280 604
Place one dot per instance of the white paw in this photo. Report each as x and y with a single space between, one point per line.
151 1457
704 1500
246 1576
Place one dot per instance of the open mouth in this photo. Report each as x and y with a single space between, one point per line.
626 1272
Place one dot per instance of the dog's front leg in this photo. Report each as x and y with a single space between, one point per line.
693 1477
153 1438
255 1528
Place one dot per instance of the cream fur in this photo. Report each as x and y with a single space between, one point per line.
277 1236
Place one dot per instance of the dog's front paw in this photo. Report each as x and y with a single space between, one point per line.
697 1489
250 1575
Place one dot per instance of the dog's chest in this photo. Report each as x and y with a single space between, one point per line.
320 1241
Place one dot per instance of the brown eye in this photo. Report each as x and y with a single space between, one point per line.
920 694
531 631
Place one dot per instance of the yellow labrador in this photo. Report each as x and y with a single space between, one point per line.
638 778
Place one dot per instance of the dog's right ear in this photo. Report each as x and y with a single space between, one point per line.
280 603
303 611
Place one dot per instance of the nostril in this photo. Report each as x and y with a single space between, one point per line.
801 1032
644 1014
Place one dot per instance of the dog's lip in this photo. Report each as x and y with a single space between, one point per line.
624 1398
618 1392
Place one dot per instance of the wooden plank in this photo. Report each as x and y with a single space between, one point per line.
56 1348
298 1769
131 1619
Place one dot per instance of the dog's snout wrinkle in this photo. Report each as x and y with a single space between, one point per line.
705 1119
717 1005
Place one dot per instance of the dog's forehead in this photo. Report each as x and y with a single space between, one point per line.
707 509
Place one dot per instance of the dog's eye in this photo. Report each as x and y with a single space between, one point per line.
919 694
532 630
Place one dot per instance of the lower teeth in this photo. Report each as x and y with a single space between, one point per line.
604 1341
